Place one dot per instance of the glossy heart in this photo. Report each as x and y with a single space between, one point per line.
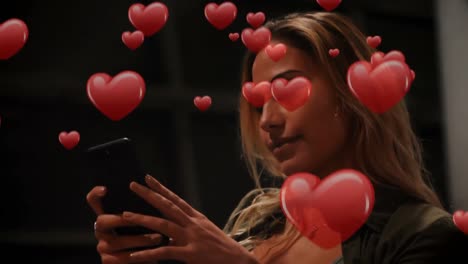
327 211
133 40
257 94
293 94
221 16
118 96
379 57
460 219
334 52
276 52
256 20
256 40
150 19
379 88
202 103
329 5
69 140
233 36
13 35
374 41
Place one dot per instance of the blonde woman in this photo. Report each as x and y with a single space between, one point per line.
331 131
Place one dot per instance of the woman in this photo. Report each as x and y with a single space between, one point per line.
333 130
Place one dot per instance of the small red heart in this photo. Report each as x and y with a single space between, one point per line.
293 94
118 96
256 20
13 35
327 211
276 52
381 87
221 16
413 75
374 41
256 40
69 140
329 5
150 19
334 52
257 94
460 219
133 40
233 36
202 103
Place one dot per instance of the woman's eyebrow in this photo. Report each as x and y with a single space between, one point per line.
285 74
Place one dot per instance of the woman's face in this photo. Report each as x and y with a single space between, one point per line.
312 138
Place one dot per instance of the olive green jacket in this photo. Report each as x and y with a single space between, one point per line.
400 230
404 230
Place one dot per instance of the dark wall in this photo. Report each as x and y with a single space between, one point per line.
197 155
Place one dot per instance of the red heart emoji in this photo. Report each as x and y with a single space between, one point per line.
220 16
202 103
276 52
380 57
233 36
13 35
379 88
69 140
150 19
133 40
256 20
374 41
334 52
327 211
293 94
256 40
460 219
257 94
118 96
329 5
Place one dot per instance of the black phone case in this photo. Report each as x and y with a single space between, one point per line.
115 165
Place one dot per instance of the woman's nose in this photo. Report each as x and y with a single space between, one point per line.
273 116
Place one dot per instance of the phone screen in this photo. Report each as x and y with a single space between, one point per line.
115 164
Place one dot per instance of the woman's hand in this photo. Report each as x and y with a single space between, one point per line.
112 248
195 239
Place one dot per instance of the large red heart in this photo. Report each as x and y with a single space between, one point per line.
69 140
293 94
379 88
327 211
133 40
460 219
257 94
220 16
13 35
150 19
329 5
256 40
116 97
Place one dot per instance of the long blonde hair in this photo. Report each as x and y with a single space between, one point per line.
386 148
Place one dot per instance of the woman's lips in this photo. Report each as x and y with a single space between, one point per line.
284 147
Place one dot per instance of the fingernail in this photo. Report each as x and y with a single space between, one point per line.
135 254
102 190
127 214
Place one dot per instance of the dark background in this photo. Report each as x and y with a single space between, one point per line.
45 218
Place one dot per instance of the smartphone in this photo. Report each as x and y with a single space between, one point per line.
114 164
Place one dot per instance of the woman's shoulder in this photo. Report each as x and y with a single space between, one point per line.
422 232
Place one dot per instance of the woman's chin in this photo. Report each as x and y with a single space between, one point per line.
291 166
